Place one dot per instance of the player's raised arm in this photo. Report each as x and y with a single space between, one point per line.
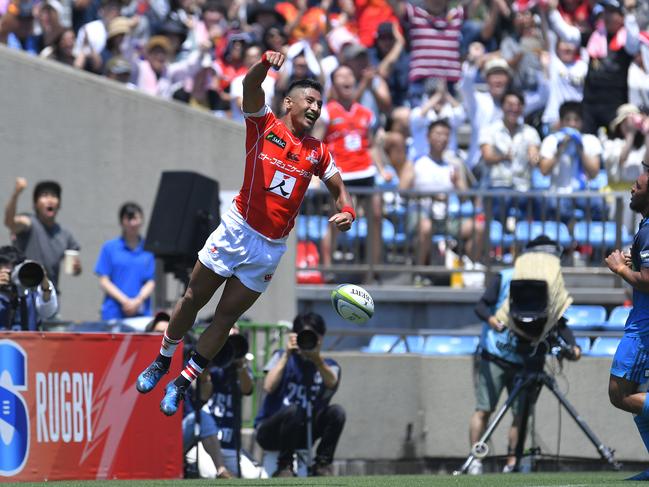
253 94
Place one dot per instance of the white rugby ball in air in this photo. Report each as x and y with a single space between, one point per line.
353 303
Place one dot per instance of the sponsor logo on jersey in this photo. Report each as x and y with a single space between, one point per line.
644 255
276 139
282 184
289 168
313 157
292 157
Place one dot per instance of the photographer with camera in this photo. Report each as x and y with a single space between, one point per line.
299 384
503 354
27 296
217 395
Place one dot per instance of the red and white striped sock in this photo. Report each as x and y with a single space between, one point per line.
192 370
168 346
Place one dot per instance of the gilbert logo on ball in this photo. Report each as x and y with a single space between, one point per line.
353 303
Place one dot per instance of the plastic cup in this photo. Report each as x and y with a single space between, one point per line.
69 259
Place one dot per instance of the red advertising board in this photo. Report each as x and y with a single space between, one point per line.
69 409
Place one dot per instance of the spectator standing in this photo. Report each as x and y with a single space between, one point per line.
611 49
482 108
252 55
438 105
93 35
639 75
39 236
126 271
293 377
434 38
48 14
390 57
567 70
571 158
510 149
18 27
348 128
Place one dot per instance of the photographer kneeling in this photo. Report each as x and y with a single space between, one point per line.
27 296
509 346
297 379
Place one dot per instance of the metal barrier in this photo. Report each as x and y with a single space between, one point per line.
395 230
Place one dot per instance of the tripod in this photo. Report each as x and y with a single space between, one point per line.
529 384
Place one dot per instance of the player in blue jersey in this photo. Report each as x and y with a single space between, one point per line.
294 377
503 355
220 421
630 368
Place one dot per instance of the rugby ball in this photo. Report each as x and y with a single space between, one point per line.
353 303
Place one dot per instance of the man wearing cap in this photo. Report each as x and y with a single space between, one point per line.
611 49
483 108
39 236
21 36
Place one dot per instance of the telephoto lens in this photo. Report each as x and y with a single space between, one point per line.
307 340
29 274
235 348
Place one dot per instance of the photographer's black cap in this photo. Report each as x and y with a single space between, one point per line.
47 187
309 320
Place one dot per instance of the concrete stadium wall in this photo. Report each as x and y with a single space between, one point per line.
107 144
384 393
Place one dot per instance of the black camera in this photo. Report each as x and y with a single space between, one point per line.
235 348
307 339
528 303
29 274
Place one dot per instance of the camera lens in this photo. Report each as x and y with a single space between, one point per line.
307 340
29 274
235 348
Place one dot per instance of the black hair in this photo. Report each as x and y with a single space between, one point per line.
10 255
570 107
47 187
129 209
310 320
543 243
439 122
304 84
516 93
214 6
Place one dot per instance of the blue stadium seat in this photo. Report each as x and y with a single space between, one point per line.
617 318
584 344
311 227
600 234
585 317
383 344
450 345
539 181
459 209
359 231
604 346
526 231
497 236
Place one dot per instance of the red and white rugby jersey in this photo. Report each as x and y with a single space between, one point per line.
279 167
348 138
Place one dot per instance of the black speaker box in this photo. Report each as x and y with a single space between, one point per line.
185 212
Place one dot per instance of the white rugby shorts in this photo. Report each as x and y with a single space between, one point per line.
235 249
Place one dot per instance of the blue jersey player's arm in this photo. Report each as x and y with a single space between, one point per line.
253 94
639 279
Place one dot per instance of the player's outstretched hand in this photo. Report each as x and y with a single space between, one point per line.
273 59
343 221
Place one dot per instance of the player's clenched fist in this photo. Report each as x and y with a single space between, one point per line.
273 59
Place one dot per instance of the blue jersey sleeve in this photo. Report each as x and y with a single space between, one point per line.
103 267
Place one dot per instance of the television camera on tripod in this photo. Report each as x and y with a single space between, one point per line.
524 309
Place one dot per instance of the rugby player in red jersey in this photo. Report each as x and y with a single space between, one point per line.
244 251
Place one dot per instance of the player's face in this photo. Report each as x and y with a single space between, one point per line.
639 195
305 106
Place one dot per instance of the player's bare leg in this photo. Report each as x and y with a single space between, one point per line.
235 301
202 286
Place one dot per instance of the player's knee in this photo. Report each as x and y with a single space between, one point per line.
337 414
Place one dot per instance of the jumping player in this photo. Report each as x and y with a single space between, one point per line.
244 251
630 368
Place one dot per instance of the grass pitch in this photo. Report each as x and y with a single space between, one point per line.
577 479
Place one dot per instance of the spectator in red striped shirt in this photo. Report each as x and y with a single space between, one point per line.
434 39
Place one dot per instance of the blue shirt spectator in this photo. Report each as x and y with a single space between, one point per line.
126 270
